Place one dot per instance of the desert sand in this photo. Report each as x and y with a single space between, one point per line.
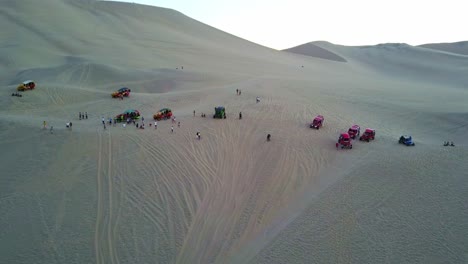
126 195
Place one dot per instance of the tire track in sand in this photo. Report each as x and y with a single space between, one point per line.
97 248
105 229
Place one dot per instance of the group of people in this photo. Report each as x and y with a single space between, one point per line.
44 126
202 114
446 143
142 126
83 115
17 94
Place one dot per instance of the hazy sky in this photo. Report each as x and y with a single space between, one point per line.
287 23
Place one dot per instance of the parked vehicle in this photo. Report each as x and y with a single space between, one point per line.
369 134
406 140
344 141
220 112
122 92
317 122
26 85
128 114
354 131
164 114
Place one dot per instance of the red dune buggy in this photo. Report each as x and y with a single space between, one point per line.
354 131
369 134
317 122
344 141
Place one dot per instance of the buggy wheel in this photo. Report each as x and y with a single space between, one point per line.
367 140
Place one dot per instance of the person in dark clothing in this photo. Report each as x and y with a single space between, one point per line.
268 137
80 115
240 115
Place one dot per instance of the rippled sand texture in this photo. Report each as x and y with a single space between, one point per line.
125 195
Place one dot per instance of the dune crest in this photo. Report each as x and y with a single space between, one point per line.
456 47
311 49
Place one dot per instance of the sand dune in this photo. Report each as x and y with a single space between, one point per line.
456 47
310 49
126 195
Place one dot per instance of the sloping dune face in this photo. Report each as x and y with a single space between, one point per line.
456 47
310 49
118 194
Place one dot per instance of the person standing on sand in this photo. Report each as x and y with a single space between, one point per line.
86 115
237 91
155 124
194 113
240 115
79 114
44 125
178 124
51 129
172 129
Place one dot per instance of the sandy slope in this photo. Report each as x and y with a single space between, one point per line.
456 47
123 195
311 49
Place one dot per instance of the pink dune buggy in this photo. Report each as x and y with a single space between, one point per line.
317 122
344 141
354 131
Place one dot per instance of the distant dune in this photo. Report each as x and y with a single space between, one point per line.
400 61
455 47
310 49
120 194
